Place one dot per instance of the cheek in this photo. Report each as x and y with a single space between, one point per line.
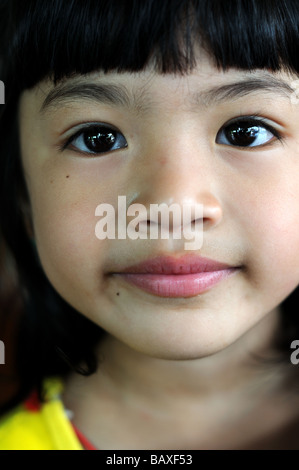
67 245
64 200
271 221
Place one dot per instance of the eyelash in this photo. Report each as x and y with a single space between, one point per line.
247 122
115 137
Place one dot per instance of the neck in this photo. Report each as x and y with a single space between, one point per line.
225 399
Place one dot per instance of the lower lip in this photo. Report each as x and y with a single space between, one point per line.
177 285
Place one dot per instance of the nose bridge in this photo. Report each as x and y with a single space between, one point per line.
178 168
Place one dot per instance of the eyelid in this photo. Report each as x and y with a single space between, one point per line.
257 119
75 132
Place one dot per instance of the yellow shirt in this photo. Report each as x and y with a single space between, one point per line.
47 428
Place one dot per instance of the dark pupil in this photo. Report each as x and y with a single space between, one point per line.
99 139
242 135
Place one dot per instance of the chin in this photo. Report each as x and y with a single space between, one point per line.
179 351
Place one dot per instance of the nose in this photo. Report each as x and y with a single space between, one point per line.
179 173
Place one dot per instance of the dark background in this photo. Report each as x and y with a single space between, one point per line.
10 307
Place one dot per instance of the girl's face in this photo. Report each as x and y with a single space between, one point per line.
228 141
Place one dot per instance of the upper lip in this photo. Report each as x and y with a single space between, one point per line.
188 264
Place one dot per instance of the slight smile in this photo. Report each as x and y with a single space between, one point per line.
187 276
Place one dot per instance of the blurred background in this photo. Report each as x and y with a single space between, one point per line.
10 299
10 307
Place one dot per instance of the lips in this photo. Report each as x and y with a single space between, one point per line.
186 276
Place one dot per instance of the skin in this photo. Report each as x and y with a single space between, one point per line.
163 354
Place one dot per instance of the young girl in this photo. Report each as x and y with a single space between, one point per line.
140 343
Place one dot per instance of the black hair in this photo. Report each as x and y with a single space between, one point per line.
57 38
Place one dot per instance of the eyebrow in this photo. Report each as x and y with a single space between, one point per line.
236 90
110 94
119 95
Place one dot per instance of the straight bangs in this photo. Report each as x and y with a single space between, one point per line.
59 38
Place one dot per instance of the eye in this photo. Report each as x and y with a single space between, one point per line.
246 132
96 139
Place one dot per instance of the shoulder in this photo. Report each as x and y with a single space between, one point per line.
23 429
32 426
